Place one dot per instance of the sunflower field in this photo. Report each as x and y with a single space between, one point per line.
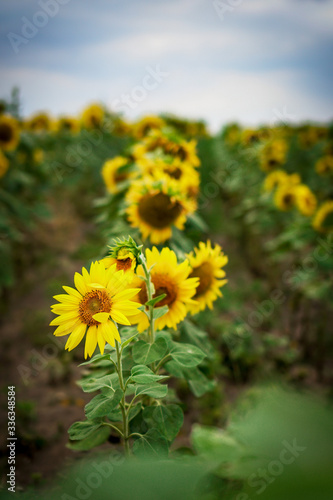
166 307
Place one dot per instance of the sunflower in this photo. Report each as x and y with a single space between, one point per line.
156 206
324 165
125 262
93 116
40 122
170 278
273 154
99 300
146 124
285 197
68 124
4 164
249 137
115 172
323 219
9 132
275 179
207 264
306 201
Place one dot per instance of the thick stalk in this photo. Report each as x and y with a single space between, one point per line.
122 402
149 286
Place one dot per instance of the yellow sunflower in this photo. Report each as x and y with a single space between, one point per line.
93 116
146 124
9 132
207 264
323 219
156 206
99 300
170 278
114 172
273 154
306 201
275 179
285 197
125 262
249 137
68 124
4 164
324 165
40 122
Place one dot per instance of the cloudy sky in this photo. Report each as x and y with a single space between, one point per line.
247 60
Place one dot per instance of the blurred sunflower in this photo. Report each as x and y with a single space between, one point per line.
207 264
324 165
146 124
4 164
116 171
273 154
275 179
40 122
250 137
156 206
68 124
285 197
170 278
93 116
306 201
323 219
91 309
9 132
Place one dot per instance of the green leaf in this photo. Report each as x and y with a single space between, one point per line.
168 420
97 357
187 355
160 311
102 404
93 384
156 391
134 411
95 438
146 353
80 430
215 444
151 444
128 341
115 415
154 301
141 374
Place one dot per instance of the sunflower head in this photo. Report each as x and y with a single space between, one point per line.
323 219
324 165
68 124
207 264
146 124
285 197
93 116
40 122
156 206
274 180
92 309
169 278
125 254
115 172
273 154
306 201
9 133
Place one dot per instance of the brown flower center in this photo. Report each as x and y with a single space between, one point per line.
6 132
158 210
162 285
205 275
94 302
124 264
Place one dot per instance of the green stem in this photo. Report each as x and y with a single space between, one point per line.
114 428
149 286
122 402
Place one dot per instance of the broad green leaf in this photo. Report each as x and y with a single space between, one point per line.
146 353
160 311
187 355
151 444
134 411
168 420
95 438
156 391
215 444
115 415
128 341
154 301
93 384
102 404
80 430
141 374
97 357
